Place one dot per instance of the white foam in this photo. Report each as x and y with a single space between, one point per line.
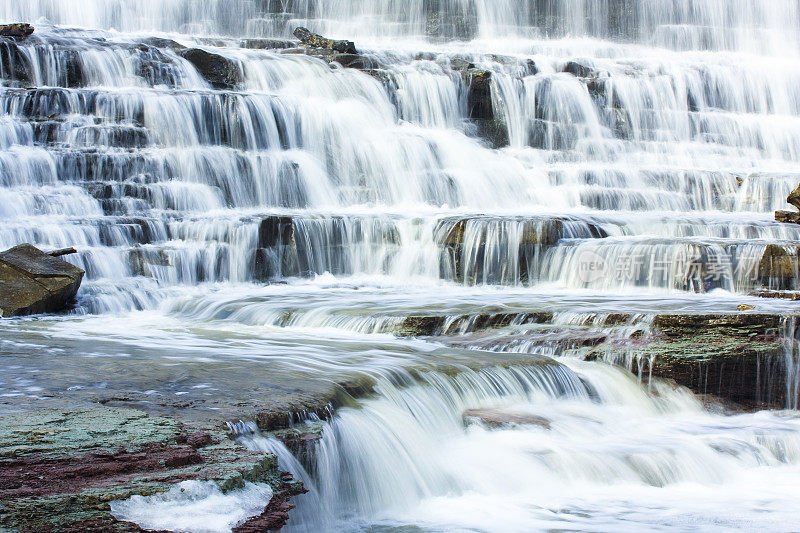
194 507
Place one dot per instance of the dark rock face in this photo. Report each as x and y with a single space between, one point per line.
32 281
734 357
479 99
444 25
318 41
275 231
14 65
16 30
422 325
794 197
219 71
580 70
480 108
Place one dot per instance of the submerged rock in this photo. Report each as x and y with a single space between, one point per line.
318 41
32 281
497 418
219 71
20 30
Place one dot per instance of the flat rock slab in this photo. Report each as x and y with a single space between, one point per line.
59 469
32 282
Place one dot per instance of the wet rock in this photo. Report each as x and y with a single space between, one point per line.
735 325
738 358
302 439
794 197
354 61
580 70
17 31
778 269
496 418
787 217
266 44
479 99
276 513
274 231
14 65
160 42
282 415
333 58
59 469
318 41
480 108
219 71
790 216
421 326
32 282
783 295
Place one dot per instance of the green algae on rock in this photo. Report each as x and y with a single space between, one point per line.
61 468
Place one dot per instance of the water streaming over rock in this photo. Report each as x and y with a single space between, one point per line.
477 154
522 449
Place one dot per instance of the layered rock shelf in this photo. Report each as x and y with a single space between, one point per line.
60 469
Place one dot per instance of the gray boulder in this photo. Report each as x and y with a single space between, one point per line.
33 282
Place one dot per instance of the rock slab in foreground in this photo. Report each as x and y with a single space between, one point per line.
59 469
32 281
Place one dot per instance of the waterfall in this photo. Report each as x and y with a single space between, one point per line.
645 163
791 347
423 452
539 166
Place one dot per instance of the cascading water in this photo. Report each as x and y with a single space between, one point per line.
616 157
532 449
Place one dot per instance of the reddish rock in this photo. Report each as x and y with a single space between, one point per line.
38 476
199 439
276 513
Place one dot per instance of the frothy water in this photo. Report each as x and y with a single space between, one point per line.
192 506
529 449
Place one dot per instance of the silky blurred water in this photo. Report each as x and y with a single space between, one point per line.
298 217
